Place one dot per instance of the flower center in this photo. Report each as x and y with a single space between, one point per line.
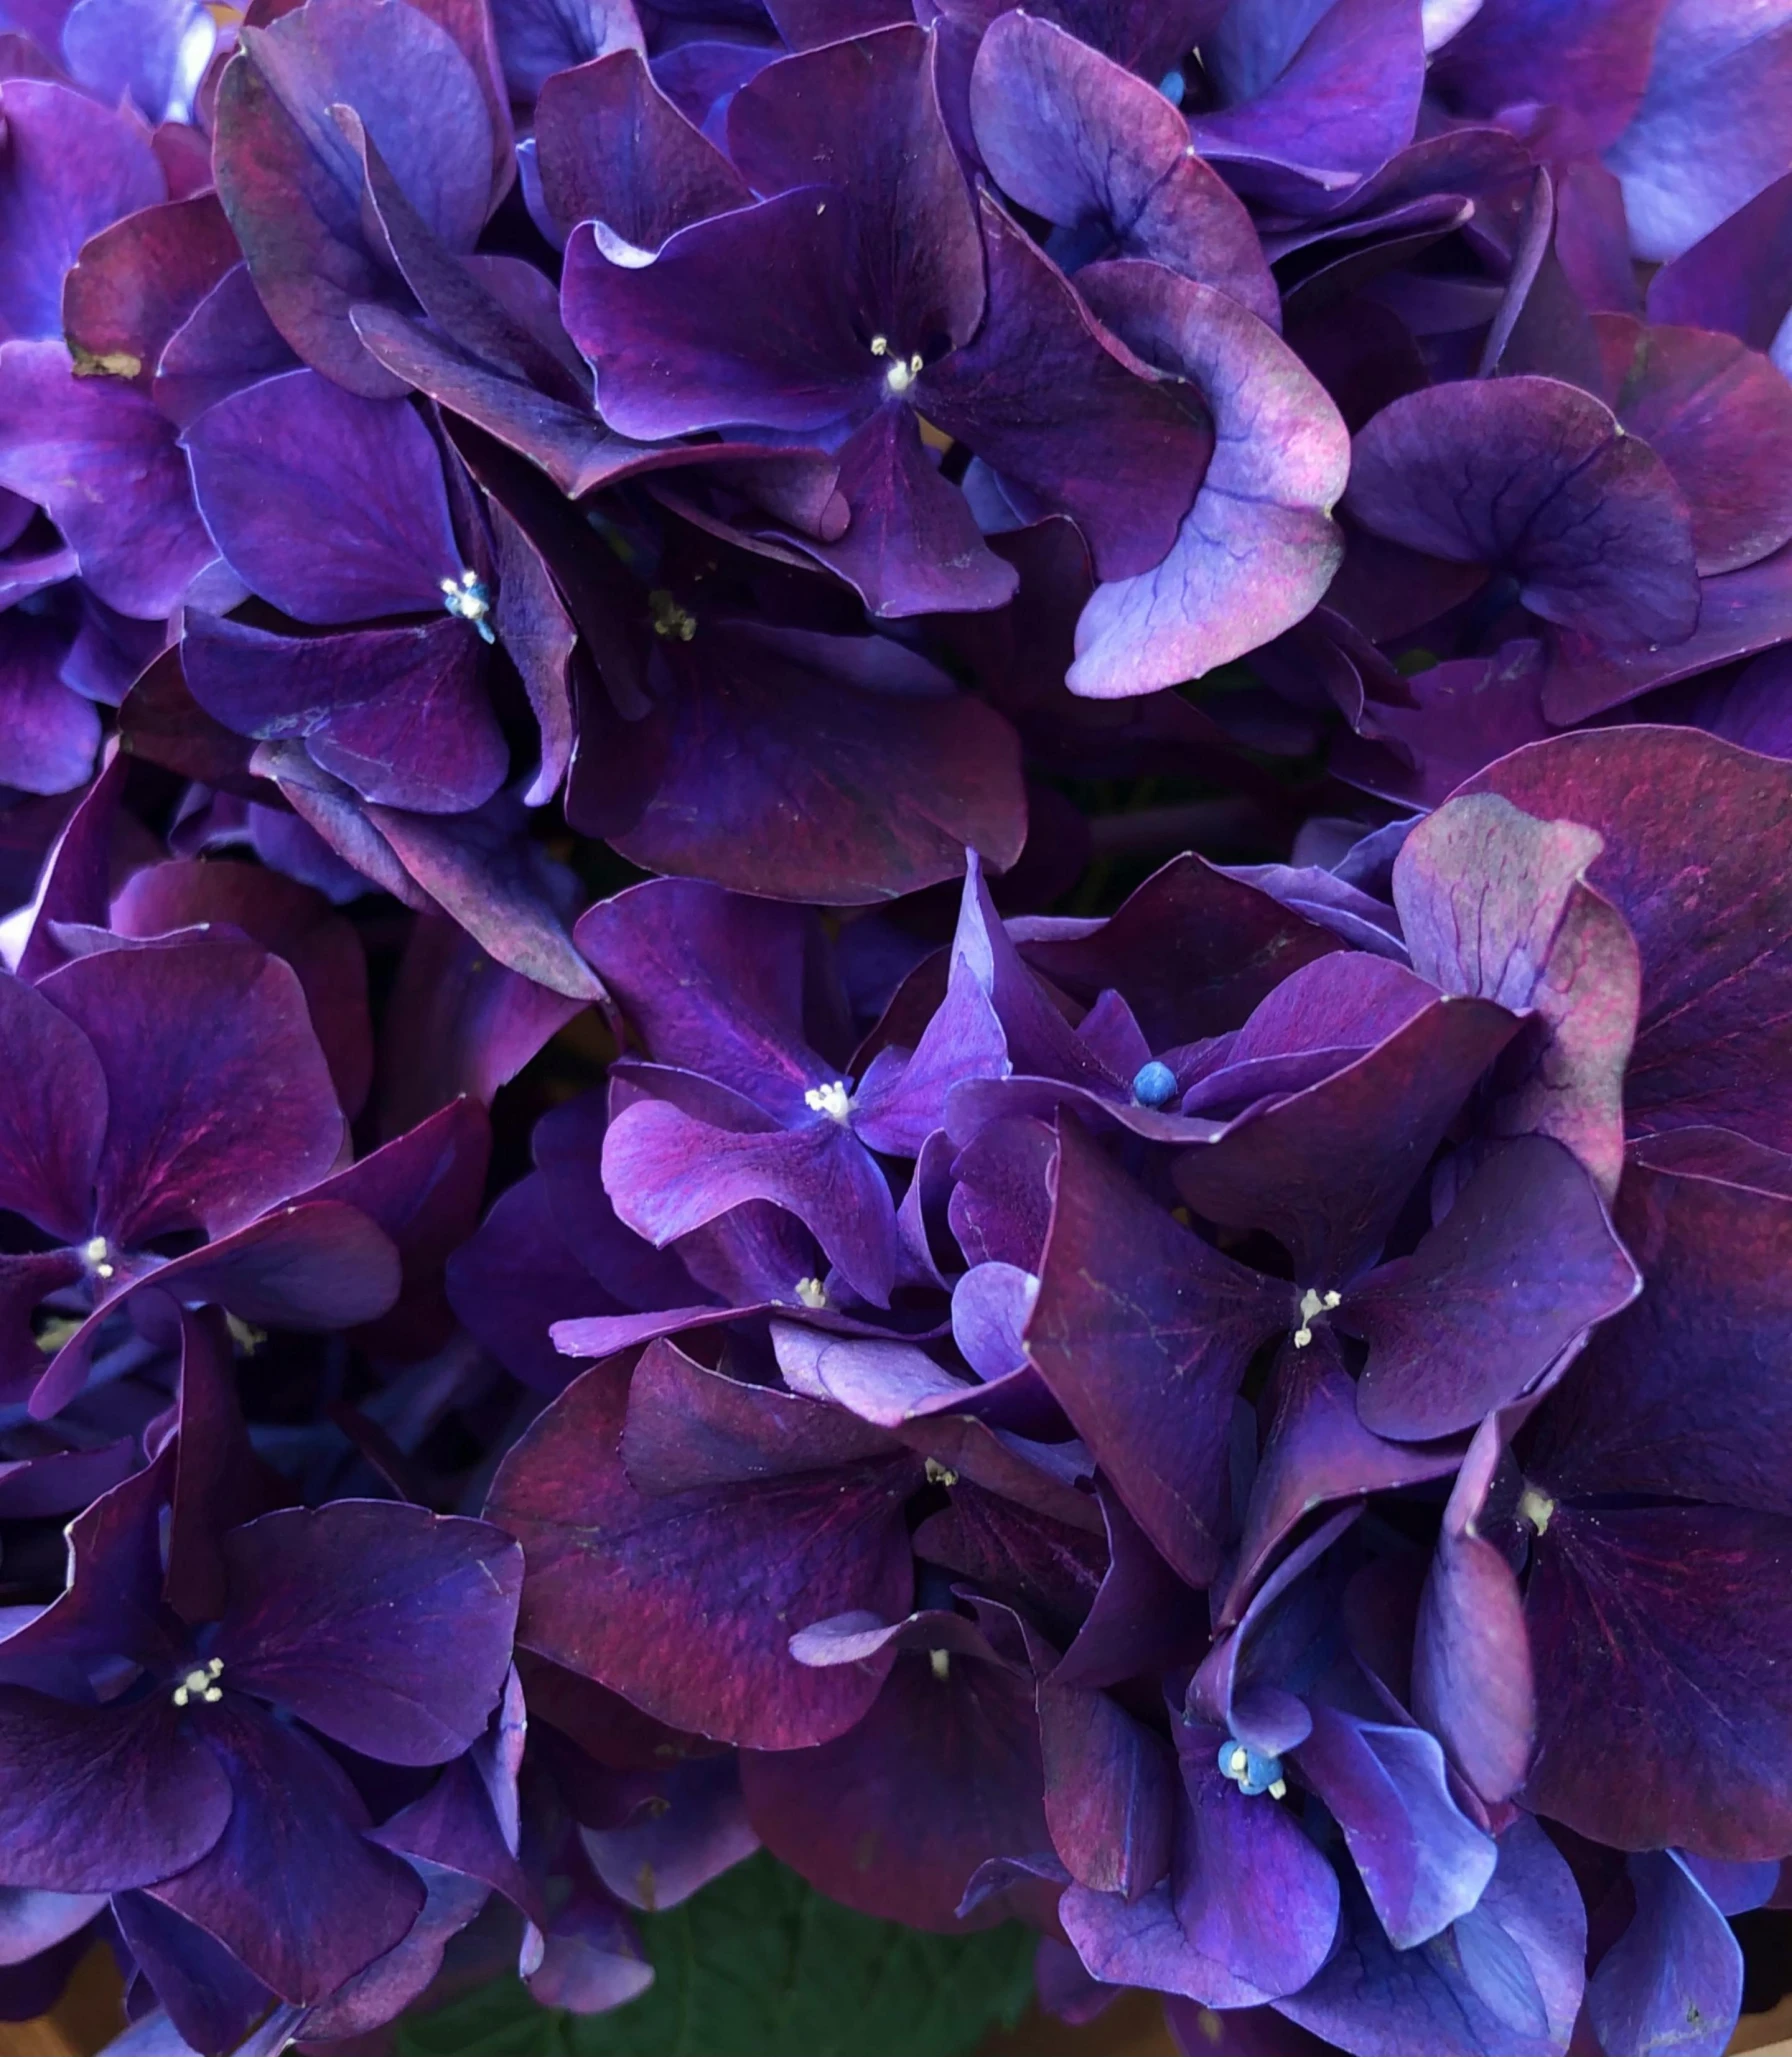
469 600
901 372
97 1255
812 1293
1312 1304
669 619
201 1684
1251 1771
833 1100
1154 1085
1536 1508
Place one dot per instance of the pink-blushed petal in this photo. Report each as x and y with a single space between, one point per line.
221 1101
72 167
1536 479
140 280
686 1603
384 1626
329 505
1258 549
103 463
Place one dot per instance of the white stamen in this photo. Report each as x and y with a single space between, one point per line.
1311 1304
941 1662
1240 1759
669 619
902 374
198 1684
97 1251
938 1475
833 1100
880 346
468 600
1278 1789
812 1293
1536 1508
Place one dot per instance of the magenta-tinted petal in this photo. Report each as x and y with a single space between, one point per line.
72 167
1327 1170
1506 1982
329 505
1257 550
1719 416
1737 277
103 463
140 280
613 148
686 1603
384 1626
894 1816
1588 68
1713 128
94 1799
1044 396
1496 903
1143 1333
1110 1791
651 331
318 1265
221 1101
668 1173
1535 479
1673 1979
1472 1681
50 1137
1072 136
1630 1419
1709 1043
1422 1861
292 1888
1663 1712
1521 1268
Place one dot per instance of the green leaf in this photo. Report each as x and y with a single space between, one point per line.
758 1965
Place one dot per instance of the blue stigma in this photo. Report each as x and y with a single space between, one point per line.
1171 87
1249 1770
1154 1085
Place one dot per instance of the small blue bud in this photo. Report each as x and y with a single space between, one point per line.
1155 1084
1170 86
1249 1770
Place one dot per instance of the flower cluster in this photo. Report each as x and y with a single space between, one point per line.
595 1274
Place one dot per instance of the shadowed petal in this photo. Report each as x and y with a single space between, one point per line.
1673 1979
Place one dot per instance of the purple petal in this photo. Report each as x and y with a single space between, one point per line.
221 1102
1588 69
1422 1861
1510 1987
650 330
1472 1681
1737 277
374 1996
893 1817
72 167
1110 1787
1143 1333
686 1603
328 505
1535 479
210 1999
613 148
93 1799
1000 1208
1074 137
1076 422
382 1625
668 1174
1327 1170
1712 129
292 1888
226 343
1520 1270
1495 903
1707 1048
50 1137
539 38
1630 1420
696 1829
1673 1979
1258 548
1663 1716
103 464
